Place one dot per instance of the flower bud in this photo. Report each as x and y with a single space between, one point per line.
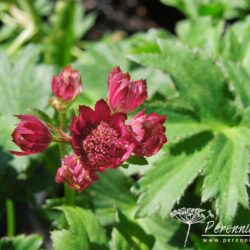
67 85
77 175
125 95
149 132
31 135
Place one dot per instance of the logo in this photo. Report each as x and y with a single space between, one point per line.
191 216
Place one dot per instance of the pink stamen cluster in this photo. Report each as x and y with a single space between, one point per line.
100 138
102 144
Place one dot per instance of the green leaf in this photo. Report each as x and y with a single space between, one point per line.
181 123
245 122
206 86
110 191
164 232
43 7
54 216
82 22
119 242
235 43
188 7
240 79
21 242
95 66
100 58
132 234
231 47
65 240
137 160
124 165
214 8
229 157
167 180
204 34
7 31
85 231
42 115
204 91
158 82
24 84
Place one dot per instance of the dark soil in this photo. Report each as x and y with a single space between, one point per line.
131 16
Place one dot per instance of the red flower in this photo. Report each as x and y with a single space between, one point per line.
67 85
77 175
149 132
100 139
125 95
31 135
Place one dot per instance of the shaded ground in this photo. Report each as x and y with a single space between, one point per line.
131 16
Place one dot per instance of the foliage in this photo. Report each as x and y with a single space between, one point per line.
199 79
21 242
24 22
85 232
215 8
220 124
18 81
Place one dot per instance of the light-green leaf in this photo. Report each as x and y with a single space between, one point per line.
21 242
229 160
131 235
240 79
119 242
95 66
164 231
166 182
204 34
198 79
218 9
181 123
24 85
100 58
84 232
110 191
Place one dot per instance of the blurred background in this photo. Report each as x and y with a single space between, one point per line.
40 37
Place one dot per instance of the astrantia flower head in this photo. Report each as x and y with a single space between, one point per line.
77 175
99 138
67 85
125 95
149 132
31 135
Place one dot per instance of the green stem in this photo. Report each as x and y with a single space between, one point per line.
10 211
62 118
69 195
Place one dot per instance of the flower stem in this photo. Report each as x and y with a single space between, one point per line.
69 195
62 118
10 211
